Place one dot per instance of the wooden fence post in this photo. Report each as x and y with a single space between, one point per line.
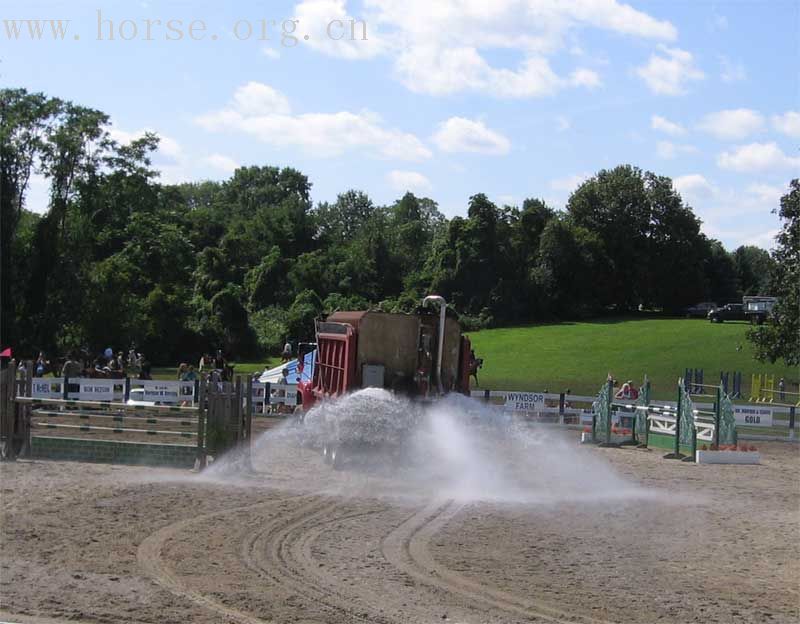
8 388
25 413
201 423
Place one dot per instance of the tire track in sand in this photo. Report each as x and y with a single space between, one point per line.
150 561
407 548
281 552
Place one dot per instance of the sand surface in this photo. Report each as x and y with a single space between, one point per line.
295 541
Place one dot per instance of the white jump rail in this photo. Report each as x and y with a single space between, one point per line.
106 404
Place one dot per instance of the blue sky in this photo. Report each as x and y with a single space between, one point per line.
447 98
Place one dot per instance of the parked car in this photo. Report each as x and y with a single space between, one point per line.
758 309
728 312
700 310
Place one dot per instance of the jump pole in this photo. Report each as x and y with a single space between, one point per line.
676 453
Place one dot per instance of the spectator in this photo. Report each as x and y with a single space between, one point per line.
144 366
72 367
121 364
219 361
205 362
287 352
42 366
190 374
782 389
182 369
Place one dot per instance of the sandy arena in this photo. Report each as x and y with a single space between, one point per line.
299 542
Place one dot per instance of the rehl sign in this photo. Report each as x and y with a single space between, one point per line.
524 401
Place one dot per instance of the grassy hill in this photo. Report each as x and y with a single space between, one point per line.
578 356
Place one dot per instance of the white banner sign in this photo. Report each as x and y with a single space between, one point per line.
47 388
524 401
753 416
171 392
100 389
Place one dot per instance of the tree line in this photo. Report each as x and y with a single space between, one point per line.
119 258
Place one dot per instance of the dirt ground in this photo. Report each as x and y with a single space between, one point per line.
295 541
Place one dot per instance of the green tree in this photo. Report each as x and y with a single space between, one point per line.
651 238
720 274
754 268
779 337
25 119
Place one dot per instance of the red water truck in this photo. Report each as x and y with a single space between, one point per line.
422 355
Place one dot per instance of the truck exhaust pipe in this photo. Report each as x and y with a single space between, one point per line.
442 312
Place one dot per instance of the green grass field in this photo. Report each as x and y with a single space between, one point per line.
578 356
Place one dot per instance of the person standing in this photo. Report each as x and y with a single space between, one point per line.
287 352
144 367
42 366
72 367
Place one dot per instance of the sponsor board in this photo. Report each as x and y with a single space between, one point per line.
753 416
167 392
100 390
524 401
47 388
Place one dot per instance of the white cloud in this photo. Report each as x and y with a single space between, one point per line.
569 183
439 47
441 72
734 124
669 150
669 71
167 146
731 72
788 123
767 194
757 157
563 123
331 30
408 181
256 98
223 163
693 186
507 200
458 134
271 53
585 78
665 125
264 113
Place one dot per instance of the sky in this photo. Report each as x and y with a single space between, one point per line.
445 98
